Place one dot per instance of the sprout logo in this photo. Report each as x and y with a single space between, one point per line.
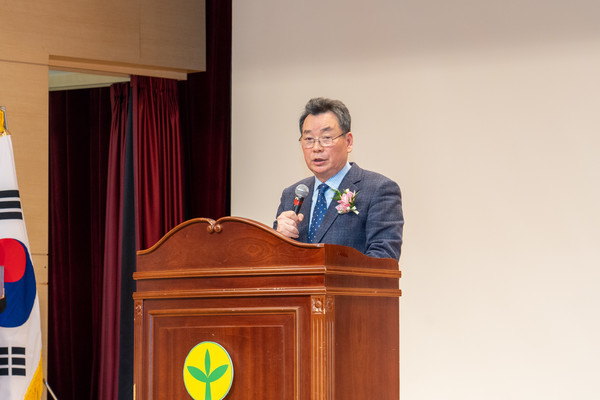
202 380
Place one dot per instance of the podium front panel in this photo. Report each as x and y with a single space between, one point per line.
263 337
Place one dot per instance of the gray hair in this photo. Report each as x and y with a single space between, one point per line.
320 105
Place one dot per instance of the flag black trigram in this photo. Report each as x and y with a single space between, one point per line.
10 205
12 361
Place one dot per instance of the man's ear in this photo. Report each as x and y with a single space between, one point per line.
349 141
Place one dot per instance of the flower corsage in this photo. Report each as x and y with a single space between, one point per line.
345 201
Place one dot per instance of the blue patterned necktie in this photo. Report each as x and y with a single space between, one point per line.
318 213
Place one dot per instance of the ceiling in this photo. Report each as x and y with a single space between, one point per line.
64 80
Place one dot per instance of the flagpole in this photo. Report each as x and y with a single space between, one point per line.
49 390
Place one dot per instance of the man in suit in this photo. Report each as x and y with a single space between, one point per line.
374 226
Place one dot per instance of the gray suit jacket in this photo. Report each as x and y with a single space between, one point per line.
377 229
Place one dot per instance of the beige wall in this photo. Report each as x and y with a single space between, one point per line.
147 37
487 114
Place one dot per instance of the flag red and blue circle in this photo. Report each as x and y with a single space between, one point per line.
19 283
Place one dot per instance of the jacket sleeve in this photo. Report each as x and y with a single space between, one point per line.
280 209
385 222
282 205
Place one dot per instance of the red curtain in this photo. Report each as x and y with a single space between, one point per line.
78 141
92 256
158 159
144 201
108 376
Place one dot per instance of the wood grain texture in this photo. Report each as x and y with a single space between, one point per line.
268 301
169 35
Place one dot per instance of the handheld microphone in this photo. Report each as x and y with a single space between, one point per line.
301 192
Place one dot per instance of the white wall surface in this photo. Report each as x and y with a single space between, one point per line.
487 114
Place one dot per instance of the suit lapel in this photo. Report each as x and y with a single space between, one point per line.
350 181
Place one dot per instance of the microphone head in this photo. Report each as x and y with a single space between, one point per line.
301 190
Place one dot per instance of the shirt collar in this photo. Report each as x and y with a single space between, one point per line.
335 181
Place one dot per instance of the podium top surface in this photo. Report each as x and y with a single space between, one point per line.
234 242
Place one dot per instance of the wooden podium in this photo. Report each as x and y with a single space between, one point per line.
299 321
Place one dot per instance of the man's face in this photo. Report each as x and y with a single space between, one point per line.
325 162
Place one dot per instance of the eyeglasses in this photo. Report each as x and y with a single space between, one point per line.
325 141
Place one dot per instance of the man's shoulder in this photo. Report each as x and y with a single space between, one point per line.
368 177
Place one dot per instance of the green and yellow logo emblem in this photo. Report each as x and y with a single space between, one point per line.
208 372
